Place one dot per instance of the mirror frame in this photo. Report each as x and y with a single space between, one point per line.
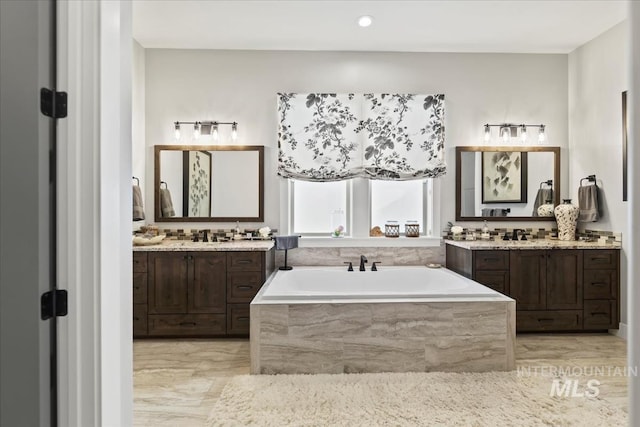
156 181
475 148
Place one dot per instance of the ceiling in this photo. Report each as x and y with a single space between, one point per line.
542 26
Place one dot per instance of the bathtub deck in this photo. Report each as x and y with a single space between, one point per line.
404 336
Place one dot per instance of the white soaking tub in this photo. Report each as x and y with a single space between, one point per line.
313 283
398 319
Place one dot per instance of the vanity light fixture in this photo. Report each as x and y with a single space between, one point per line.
507 131
177 130
196 130
234 131
365 21
207 127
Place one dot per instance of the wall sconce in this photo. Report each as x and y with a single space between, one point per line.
206 128
507 131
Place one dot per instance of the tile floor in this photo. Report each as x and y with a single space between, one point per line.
177 382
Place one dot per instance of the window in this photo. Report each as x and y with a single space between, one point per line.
397 200
317 208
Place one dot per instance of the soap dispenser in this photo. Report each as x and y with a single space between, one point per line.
485 232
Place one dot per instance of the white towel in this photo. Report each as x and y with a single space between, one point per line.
138 210
166 204
588 203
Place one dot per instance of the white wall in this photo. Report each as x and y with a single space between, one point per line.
242 86
598 74
138 125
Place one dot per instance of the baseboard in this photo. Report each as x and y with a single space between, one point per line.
620 332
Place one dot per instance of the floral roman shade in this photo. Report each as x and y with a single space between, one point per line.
331 137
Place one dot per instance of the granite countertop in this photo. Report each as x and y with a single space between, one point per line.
168 245
530 244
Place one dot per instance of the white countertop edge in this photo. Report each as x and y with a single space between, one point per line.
448 299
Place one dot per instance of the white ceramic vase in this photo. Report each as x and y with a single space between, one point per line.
546 210
567 219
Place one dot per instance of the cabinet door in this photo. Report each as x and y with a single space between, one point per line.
564 279
168 277
528 279
208 282
496 280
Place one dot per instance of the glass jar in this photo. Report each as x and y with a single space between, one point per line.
392 229
412 229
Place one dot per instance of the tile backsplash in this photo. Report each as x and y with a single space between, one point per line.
541 233
213 233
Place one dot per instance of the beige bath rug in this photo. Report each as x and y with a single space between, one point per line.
413 399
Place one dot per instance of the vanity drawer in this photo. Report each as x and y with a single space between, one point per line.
600 284
242 286
187 324
600 258
491 260
600 314
139 288
238 319
496 280
559 320
139 262
244 261
139 320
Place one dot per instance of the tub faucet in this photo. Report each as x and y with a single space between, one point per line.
363 260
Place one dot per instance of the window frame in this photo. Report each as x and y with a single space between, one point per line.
358 218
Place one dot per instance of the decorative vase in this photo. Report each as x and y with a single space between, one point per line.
567 219
545 210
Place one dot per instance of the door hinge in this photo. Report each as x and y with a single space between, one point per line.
53 304
53 104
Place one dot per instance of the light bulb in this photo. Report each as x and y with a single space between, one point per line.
506 134
365 21
196 130
542 136
523 133
487 133
177 130
214 131
234 131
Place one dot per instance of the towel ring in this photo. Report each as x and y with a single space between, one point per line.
549 182
137 181
165 185
590 178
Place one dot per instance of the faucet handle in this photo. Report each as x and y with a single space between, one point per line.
374 267
195 237
350 265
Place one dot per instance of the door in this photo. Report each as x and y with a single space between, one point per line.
528 279
28 377
208 282
168 276
564 279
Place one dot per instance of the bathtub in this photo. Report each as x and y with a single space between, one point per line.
307 284
399 319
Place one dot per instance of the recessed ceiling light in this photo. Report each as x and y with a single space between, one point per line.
365 20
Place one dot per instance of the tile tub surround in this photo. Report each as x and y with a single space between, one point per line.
169 245
327 331
448 336
387 256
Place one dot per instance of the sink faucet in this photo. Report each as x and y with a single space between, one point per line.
363 260
515 234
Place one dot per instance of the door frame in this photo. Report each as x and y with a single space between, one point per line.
94 213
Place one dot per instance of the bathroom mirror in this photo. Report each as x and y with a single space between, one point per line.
506 183
209 183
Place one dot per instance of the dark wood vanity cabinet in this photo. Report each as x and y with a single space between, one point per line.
139 294
197 294
554 289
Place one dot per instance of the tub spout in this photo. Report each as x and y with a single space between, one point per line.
363 260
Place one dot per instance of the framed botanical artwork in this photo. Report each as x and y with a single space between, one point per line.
504 177
196 184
